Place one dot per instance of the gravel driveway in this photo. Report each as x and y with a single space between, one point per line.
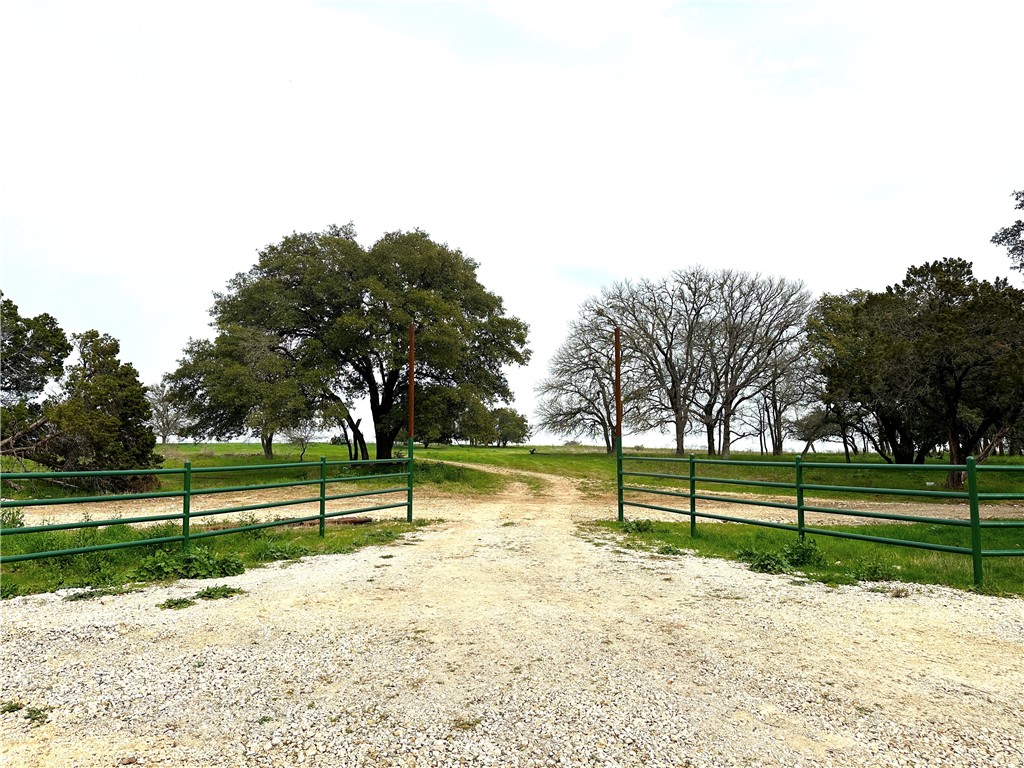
503 637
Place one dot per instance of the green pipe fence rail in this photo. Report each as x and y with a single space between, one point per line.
188 515
798 487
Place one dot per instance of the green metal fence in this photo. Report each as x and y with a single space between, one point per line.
799 488
188 515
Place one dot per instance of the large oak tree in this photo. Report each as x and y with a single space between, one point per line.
341 312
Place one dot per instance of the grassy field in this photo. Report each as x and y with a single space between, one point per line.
832 560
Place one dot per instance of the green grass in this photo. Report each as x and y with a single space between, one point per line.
113 571
838 561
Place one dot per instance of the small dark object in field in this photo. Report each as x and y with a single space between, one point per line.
533 451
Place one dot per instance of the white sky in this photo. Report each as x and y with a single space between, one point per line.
148 150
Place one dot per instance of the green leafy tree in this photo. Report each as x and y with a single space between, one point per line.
32 355
935 360
95 417
510 426
242 382
1012 237
477 425
100 420
343 312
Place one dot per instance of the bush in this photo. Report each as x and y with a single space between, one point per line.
638 526
803 552
197 563
769 562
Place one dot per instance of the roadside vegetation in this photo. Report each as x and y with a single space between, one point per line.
117 571
831 560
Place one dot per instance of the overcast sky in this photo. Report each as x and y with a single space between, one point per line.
150 149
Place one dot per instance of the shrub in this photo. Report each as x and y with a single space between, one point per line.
638 526
769 562
803 552
197 563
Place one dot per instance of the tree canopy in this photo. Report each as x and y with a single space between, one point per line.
1012 237
340 313
95 414
935 360
242 382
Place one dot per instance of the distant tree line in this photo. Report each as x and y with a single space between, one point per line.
933 364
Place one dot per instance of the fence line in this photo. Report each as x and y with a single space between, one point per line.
188 515
971 494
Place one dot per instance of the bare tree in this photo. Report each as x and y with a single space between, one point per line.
664 326
167 417
578 396
756 317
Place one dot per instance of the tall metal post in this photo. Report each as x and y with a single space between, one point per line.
800 496
323 495
693 495
618 421
412 415
186 506
972 493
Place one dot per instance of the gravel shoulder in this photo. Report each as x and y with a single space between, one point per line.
504 637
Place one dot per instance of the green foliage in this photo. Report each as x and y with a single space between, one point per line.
242 382
343 313
12 517
638 526
37 715
219 592
11 705
33 350
844 561
874 570
511 426
92 594
801 552
99 419
176 603
268 550
937 359
115 571
1012 237
196 563
769 562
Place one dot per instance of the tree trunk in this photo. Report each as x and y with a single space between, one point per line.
680 435
358 441
726 434
711 438
267 441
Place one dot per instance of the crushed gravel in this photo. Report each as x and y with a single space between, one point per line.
505 637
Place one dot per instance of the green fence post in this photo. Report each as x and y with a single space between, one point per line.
186 506
618 475
800 496
408 513
972 493
693 496
323 495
